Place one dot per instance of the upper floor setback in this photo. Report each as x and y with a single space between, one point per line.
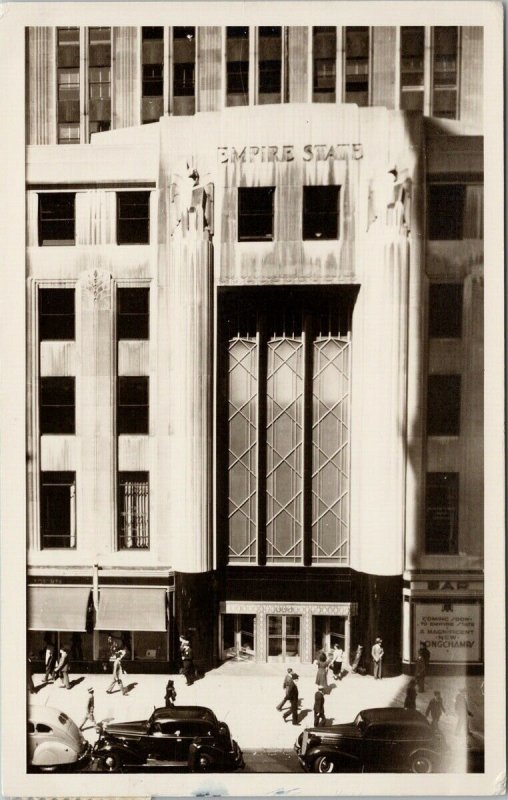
82 81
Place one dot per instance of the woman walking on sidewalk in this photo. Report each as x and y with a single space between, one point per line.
322 668
118 672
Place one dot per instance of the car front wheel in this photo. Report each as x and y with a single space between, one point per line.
421 763
111 762
324 765
204 763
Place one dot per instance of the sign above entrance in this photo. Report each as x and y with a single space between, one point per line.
258 154
451 631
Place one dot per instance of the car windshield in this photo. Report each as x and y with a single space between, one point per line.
359 721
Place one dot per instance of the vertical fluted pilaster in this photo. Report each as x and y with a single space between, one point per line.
41 85
383 66
298 44
209 69
471 71
126 94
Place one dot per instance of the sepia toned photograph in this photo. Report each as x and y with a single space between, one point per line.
253 401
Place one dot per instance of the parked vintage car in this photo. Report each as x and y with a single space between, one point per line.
188 737
378 740
54 741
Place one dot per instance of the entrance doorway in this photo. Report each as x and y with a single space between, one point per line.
283 637
238 636
328 631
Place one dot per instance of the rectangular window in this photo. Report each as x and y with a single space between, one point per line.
133 217
133 511
445 72
455 211
132 405
152 59
58 510
270 64
99 79
412 52
443 405
255 213
442 513
357 66
68 85
57 406
133 321
445 310
237 66
184 71
324 61
56 218
321 212
56 314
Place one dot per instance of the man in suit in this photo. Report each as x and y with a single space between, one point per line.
288 680
377 653
293 699
319 708
63 667
49 661
188 664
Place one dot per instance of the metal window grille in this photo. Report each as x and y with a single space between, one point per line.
133 507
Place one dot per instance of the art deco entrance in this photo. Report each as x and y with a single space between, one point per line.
283 638
238 636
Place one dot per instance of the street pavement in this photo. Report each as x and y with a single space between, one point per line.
244 695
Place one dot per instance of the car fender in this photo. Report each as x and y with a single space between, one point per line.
119 746
198 747
331 752
51 754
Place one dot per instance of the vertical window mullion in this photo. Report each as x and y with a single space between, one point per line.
307 440
261 428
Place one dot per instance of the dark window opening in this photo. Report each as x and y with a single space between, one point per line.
445 72
68 106
183 83
455 211
57 510
133 313
237 32
56 314
152 88
324 57
57 405
270 77
443 405
56 218
153 33
133 510
412 52
270 64
132 406
255 213
152 80
445 310
184 33
238 77
442 513
237 66
99 80
133 217
357 66
321 212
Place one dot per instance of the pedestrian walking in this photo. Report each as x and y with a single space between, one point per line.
288 680
357 666
90 710
293 699
377 653
337 659
410 698
170 695
319 708
49 661
322 668
425 654
462 712
189 670
29 673
118 671
420 672
435 710
63 667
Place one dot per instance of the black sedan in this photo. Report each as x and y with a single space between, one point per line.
378 740
189 737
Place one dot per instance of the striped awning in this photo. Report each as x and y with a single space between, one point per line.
58 608
131 609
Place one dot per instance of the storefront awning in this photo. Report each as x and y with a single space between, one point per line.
57 608
131 610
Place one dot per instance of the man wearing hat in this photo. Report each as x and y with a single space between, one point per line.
90 709
292 696
377 653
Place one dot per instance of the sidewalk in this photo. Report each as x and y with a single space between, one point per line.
244 695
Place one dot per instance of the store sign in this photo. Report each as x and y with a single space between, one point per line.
452 631
254 154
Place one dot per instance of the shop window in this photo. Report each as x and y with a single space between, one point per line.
150 645
56 218
57 405
133 217
237 66
445 310
270 64
133 511
80 645
238 636
152 88
184 70
324 64
443 405
255 213
56 314
132 406
321 212
111 641
445 72
58 510
99 79
357 66
455 211
133 317
68 107
441 513
412 53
